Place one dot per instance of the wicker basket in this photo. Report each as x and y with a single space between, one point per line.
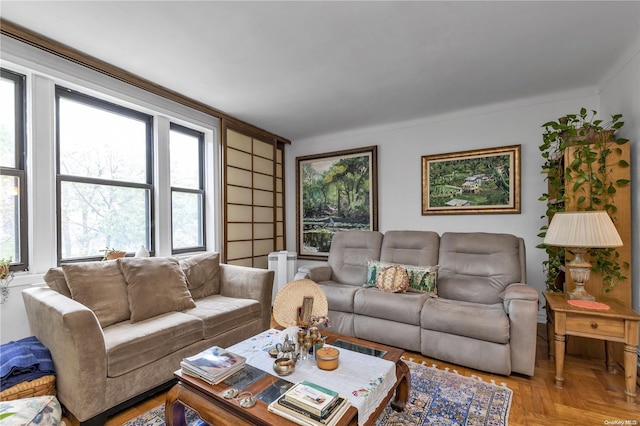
45 385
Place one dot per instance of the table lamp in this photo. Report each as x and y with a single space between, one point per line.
581 231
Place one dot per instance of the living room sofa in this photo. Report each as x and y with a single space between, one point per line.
481 314
117 330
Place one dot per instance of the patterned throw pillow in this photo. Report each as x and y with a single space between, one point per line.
373 267
393 279
421 278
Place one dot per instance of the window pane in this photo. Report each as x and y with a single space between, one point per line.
97 216
185 160
10 214
186 219
101 144
7 123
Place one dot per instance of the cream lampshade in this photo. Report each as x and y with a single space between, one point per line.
581 231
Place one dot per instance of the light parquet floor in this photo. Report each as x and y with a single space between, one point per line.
590 396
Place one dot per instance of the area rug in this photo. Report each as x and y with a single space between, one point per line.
437 398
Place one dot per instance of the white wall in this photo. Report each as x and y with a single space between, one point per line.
401 145
621 95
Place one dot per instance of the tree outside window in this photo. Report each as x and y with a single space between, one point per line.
13 194
187 189
104 176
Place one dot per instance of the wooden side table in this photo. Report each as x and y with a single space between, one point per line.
617 324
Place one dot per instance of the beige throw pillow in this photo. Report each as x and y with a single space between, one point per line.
55 280
155 285
203 274
99 286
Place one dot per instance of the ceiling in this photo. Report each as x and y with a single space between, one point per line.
301 69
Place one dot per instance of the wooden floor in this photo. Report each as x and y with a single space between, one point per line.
590 396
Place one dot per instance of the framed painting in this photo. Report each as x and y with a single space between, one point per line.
478 181
335 191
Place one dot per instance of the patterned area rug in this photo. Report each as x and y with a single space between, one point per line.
444 398
437 398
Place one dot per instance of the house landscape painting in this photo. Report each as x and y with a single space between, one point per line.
479 181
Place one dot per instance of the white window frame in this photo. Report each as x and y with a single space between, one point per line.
44 71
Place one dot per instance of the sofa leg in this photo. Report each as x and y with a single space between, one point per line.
99 420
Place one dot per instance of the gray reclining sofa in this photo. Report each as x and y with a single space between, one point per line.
484 316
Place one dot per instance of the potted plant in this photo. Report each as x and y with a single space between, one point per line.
110 253
587 174
6 276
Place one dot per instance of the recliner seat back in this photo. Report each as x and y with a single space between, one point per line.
419 248
477 267
349 253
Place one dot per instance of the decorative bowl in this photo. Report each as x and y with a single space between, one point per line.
284 366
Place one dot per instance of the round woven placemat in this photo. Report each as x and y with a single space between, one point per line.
285 307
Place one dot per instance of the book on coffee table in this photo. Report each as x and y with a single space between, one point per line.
311 397
300 416
213 365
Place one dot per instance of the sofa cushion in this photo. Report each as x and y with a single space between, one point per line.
101 287
410 247
339 296
203 274
220 314
477 267
55 279
155 285
474 320
401 307
392 279
349 253
131 346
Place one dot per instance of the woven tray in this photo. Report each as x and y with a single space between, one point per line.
39 387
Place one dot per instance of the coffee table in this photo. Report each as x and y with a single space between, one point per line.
208 400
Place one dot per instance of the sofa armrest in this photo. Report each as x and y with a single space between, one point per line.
74 337
248 283
519 291
314 273
521 306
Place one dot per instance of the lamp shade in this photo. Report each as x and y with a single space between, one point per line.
592 229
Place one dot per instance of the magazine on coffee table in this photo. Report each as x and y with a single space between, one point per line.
213 365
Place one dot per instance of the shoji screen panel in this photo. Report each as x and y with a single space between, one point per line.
253 199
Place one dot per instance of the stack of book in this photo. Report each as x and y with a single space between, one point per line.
213 365
309 404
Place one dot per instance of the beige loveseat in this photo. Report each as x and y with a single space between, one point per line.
484 315
117 330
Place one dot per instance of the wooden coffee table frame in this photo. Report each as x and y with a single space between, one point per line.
208 402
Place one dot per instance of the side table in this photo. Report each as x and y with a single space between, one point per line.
619 323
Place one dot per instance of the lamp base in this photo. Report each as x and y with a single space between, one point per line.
579 293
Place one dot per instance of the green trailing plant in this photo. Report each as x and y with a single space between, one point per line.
588 174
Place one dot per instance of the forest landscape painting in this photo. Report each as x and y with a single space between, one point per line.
478 181
336 191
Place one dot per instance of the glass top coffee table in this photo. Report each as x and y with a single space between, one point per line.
212 406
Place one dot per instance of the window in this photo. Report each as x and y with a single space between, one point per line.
104 177
13 185
187 194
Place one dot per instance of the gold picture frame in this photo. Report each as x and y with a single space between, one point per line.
334 191
477 181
